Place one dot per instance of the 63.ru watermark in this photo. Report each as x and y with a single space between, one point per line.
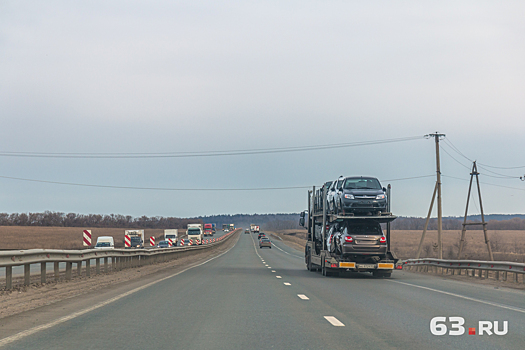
455 326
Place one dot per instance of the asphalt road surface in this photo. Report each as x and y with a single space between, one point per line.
251 298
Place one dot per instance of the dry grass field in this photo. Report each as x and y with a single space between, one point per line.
33 237
507 245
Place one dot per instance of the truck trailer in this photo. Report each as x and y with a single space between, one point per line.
348 242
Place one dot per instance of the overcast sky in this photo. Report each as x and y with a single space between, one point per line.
186 76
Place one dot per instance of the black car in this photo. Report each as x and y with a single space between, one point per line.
163 244
361 195
261 235
361 240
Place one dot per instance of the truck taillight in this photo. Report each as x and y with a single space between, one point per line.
349 239
327 227
382 239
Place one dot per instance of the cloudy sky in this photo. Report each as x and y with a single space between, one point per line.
160 77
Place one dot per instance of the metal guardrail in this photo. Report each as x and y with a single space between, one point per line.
120 259
472 268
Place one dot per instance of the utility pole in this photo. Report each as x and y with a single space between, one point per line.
437 136
483 222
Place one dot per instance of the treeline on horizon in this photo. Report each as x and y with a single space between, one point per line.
266 221
58 219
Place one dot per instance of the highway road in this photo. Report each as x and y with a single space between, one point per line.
251 298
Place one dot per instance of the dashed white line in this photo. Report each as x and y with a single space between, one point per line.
269 267
287 284
278 276
302 296
265 264
334 321
273 270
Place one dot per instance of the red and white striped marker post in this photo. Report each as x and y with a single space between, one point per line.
127 241
170 241
182 243
152 241
191 241
86 237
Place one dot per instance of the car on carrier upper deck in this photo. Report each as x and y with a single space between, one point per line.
360 194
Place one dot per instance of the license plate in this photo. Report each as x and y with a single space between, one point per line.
366 266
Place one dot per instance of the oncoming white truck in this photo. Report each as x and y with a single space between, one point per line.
195 233
171 235
134 239
105 242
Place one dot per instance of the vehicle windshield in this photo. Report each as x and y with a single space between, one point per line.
171 236
364 229
362 183
194 231
103 244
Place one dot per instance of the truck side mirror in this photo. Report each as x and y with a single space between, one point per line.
301 222
384 189
302 214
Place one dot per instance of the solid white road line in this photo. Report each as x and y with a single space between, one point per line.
463 297
334 321
37 329
287 284
302 296
278 276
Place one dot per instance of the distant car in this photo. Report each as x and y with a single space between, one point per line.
261 235
265 242
163 244
361 195
226 231
246 231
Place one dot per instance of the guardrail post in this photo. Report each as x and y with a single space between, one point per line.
43 270
505 275
98 266
88 268
79 268
106 268
8 277
496 275
516 277
57 270
27 274
69 267
113 264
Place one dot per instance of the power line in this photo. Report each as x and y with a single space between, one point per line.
486 183
205 153
180 189
155 188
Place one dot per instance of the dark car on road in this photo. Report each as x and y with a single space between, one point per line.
261 235
163 244
360 195
361 240
246 231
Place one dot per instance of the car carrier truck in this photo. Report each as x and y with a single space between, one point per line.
350 242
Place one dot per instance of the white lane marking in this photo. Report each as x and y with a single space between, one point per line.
334 321
287 284
265 264
269 267
463 297
37 329
297 256
302 296
278 276
273 270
